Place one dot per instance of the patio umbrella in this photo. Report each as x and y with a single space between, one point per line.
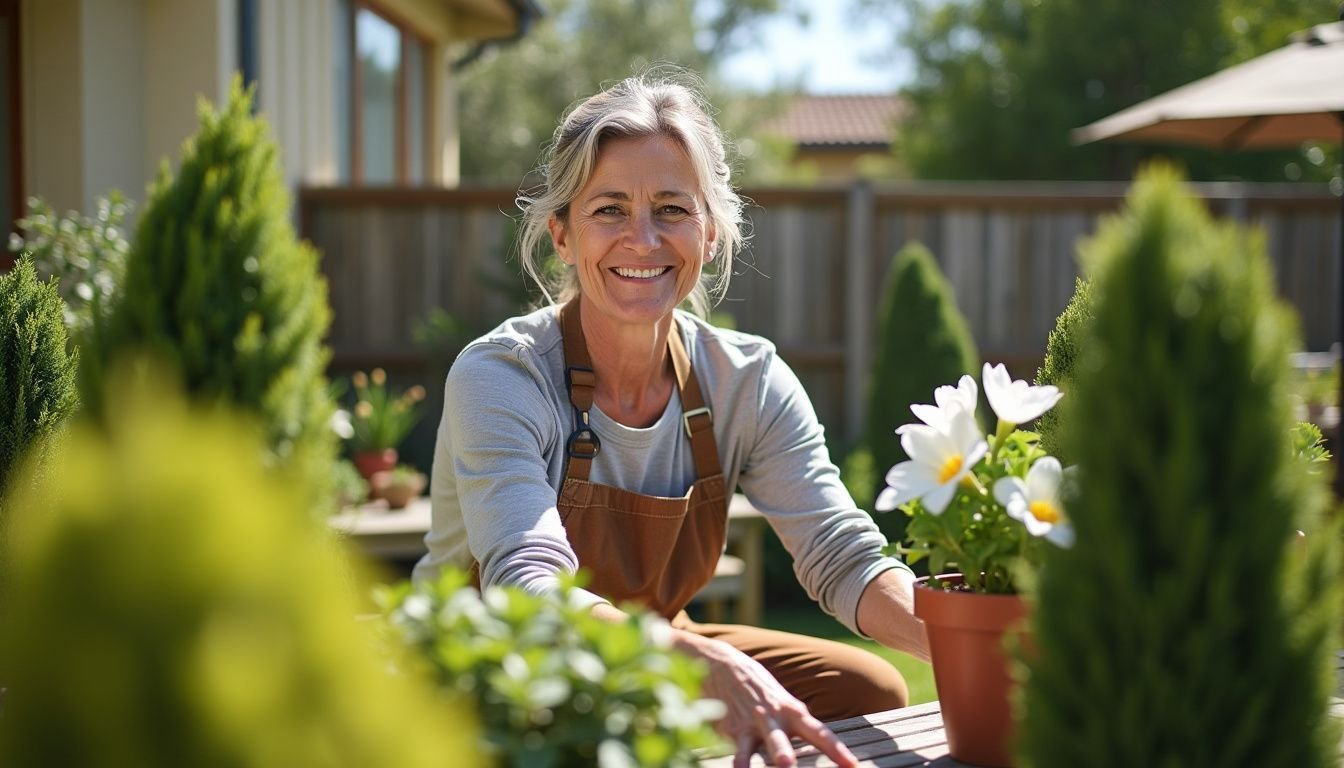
1280 99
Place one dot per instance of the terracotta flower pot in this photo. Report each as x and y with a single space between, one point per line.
397 492
970 668
370 463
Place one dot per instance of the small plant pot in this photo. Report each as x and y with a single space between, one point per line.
370 463
397 491
971 668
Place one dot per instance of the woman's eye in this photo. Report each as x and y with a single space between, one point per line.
607 210
674 210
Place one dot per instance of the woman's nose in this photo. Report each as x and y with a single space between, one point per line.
641 234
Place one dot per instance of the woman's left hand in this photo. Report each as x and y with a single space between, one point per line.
762 715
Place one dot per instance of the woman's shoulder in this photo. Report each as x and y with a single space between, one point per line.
734 347
537 332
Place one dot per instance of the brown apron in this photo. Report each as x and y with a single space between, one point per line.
654 551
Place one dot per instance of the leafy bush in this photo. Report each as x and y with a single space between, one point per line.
37 375
1061 358
924 343
217 287
85 254
554 685
1183 628
137 635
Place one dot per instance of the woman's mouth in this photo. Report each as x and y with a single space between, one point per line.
640 274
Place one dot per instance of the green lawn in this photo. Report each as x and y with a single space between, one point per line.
809 620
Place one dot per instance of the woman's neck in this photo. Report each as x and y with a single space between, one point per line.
633 368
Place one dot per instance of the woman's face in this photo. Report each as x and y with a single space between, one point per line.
638 232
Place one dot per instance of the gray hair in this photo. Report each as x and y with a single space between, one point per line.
644 105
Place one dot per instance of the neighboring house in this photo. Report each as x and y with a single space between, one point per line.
94 94
839 137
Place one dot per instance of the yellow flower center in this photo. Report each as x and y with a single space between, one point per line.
950 468
1044 511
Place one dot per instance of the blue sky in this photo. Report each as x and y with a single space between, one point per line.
829 55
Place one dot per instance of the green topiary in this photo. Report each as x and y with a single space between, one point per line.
217 287
554 684
137 635
1183 628
37 375
1061 356
924 343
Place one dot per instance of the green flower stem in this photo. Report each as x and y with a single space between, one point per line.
1005 428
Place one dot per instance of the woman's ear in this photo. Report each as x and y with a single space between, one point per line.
559 238
710 243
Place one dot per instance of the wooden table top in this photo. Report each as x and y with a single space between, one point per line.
913 736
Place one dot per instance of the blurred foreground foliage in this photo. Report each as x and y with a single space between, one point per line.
555 685
165 607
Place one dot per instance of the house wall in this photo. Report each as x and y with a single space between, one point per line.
53 113
296 87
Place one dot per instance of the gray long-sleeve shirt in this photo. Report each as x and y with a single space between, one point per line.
499 461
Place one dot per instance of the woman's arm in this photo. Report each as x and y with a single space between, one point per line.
886 613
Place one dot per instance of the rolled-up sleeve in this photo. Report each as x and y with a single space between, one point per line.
788 475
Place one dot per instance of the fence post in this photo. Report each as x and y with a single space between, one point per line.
858 308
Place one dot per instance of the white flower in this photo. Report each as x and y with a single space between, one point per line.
340 424
1036 502
1017 402
965 396
939 459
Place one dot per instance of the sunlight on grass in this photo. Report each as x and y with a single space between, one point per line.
809 620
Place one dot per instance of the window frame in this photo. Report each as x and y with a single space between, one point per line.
402 153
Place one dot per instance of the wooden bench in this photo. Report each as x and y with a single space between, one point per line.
739 578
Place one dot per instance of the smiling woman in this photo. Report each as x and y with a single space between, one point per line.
608 433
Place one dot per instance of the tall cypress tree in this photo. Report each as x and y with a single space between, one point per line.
218 288
924 343
37 375
1183 628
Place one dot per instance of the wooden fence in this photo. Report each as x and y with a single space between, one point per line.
811 275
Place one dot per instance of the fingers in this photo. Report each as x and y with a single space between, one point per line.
811 730
776 742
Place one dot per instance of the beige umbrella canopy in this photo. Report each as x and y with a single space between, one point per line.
1280 99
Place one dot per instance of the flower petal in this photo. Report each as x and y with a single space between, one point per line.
1043 480
936 500
1061 534
1008 489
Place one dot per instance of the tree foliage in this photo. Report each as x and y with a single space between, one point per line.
512 98
37 374
999 84
1188 625
217 287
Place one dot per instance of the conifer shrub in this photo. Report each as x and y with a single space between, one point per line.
137 635
217 287
37 374
1061 356
924 343
1183 627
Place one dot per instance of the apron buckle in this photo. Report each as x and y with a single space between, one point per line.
583 444
702 410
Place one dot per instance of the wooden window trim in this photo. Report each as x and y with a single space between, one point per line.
402 149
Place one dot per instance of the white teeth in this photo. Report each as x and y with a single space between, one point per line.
642 274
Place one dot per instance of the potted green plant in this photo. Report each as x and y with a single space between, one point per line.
380 420
397 486
983 509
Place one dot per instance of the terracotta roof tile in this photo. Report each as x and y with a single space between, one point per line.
839 120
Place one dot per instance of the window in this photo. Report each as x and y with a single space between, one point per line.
382 102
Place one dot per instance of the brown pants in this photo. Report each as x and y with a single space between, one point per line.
834 680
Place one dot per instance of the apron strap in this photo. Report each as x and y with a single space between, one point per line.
583 444
696 418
